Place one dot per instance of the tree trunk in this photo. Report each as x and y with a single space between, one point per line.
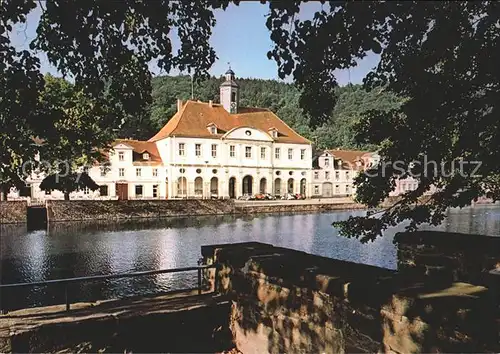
66 195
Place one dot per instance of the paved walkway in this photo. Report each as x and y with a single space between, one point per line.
88 319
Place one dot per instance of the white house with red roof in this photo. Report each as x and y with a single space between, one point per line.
334 172
205 150
335 169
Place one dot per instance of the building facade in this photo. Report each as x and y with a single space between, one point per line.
206 150
334 172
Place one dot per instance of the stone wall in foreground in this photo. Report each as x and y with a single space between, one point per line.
154 324
290 301
73 210
447 255
12 212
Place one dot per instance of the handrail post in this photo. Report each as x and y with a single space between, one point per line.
66 298
66 282
215 277
199 281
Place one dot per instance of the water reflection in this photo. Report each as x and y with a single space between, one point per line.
83 249
483 220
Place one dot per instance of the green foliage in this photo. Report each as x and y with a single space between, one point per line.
20 82
68 183
74 126
75 130
443 58
104 47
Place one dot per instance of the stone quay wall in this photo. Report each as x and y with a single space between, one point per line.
73 210
290 301
12 212
295 208
83 210
448 256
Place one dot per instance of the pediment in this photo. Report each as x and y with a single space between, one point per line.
247 133
122 146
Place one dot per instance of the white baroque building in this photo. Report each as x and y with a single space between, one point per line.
205 150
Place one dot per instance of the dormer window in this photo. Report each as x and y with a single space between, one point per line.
273 132
145 156
212 128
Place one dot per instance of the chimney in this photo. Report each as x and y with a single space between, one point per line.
179 105
210 103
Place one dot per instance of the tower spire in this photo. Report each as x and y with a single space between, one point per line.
229 95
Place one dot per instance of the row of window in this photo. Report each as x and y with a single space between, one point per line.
327 175
358 163
139 190
408 186
104 191
232 151
347 189
138 172
121 156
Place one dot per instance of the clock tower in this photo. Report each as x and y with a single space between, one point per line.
229 93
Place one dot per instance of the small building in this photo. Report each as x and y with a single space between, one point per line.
334 172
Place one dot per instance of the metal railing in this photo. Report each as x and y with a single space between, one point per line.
65 282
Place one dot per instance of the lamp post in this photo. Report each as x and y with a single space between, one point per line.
207 184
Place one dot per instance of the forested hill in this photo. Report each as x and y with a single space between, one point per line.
281 98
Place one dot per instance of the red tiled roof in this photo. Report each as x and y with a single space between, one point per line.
141 147
192 120
349 158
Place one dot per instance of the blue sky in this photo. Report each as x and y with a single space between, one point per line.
239 37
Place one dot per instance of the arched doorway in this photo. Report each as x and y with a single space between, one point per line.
263 186
198 187
214 187
290 185
303 186
232 187
247 185
182 187
277 186
327 189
